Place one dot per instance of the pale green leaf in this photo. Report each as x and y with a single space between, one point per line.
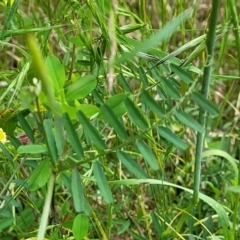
32 149
81 88
80 227
56 71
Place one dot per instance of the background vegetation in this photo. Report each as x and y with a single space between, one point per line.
104 110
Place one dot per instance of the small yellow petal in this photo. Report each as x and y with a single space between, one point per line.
3 137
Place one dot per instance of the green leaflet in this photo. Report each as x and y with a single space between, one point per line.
183 75
131 164
188 121
40 175
147 154
25 126
102 182
135 115
116 103
73 136
114 121
81 88
50 140
205 104
171 137
91 131
56 72
32 149
80 227
152 104
77 191
169 89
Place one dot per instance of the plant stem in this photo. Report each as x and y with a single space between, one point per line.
210 40
46 209
235 21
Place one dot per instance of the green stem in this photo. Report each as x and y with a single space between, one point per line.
235 21
46 209
210 40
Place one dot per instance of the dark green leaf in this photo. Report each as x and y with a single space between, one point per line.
189 121
77 191
171 137
116 103
143 77
84 62
114 121
59 135
147 154
183 75
40 175
5 223
24 219
161 93
124 83
135 115
151 103
15 142
73 136
50 139
205 104
91 131
25 126
102 182
170 90
131 164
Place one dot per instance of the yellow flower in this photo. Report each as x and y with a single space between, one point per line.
7 2
3 136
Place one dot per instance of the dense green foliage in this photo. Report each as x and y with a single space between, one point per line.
119 120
